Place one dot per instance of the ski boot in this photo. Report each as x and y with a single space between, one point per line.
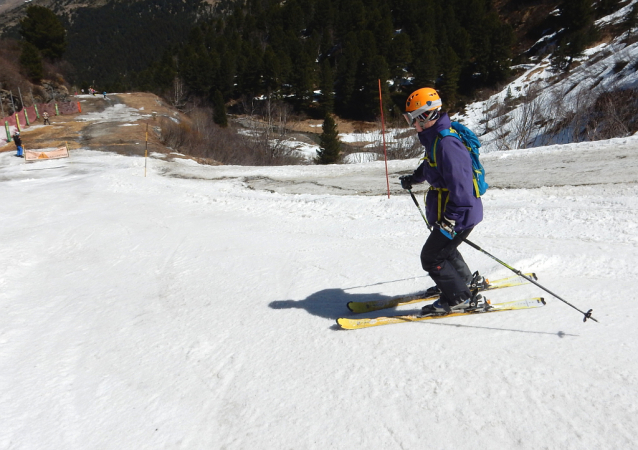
432 291
442 306
477 283
439 307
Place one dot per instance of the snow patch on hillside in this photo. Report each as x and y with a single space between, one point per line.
116 113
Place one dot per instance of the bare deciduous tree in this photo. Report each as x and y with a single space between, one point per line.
177 94
527 118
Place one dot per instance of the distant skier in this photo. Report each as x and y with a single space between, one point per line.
104 93
45 118
18 142
451 205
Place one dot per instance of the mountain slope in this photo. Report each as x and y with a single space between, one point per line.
186 310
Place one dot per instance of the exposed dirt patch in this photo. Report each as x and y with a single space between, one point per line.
128 135
148 103
81 130
344 126
63 129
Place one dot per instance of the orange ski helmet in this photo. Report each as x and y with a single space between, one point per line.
423 104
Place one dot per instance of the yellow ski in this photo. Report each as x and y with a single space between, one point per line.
375 305
354 324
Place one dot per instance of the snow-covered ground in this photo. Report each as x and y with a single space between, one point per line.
195 309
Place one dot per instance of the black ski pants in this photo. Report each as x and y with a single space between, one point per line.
441 259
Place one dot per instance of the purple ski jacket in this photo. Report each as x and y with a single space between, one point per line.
454 174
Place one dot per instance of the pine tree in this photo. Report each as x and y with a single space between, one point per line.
323 19
375 69
383 30
329 147
327 88
219 110
249 70
351 16
294 16
456 35
165 72
492 51
200 65
577 21
271 70
450 79
31 60
346 81
400 55
605 7
631 19
425 66
228 50
303 77
42 28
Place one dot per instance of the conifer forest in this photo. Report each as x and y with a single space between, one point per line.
337 48
318 56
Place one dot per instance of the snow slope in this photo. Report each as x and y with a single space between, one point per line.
193 310
604 68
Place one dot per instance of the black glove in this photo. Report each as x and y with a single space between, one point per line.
447 227
406 181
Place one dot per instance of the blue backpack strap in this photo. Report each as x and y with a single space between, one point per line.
443 133
450 132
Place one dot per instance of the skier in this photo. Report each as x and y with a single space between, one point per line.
104 93
451 205
45 117
18 142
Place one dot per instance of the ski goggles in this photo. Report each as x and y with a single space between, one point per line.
429 111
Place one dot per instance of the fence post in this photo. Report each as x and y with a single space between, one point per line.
146 150
15 113
24 109
37 113
6 124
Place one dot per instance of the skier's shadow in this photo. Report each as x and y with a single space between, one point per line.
328 303
331 304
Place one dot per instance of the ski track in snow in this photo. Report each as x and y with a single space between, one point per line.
191 309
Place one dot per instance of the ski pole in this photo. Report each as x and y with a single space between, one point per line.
587 315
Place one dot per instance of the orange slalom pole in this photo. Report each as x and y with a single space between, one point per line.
385 153
146 151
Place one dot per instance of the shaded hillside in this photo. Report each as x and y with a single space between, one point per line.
110 43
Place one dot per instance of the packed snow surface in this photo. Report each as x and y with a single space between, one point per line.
195 308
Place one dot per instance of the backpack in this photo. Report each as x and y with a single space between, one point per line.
472 143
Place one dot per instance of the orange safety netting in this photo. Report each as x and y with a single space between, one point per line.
21 116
